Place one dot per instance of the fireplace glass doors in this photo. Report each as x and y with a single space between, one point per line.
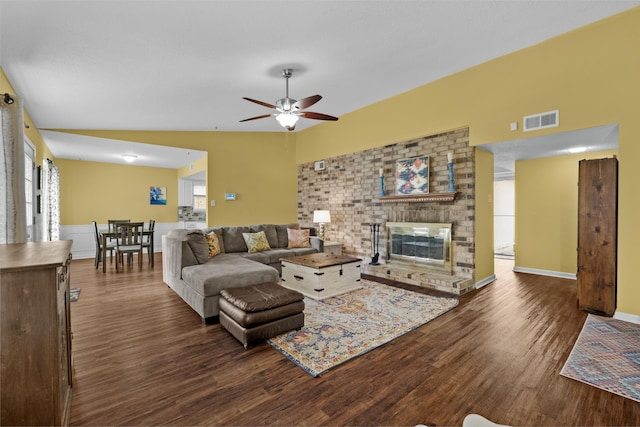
423 244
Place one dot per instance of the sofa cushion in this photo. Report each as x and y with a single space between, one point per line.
269 231
227 271
298 238
302 251
256 242
275 255
199 246
233 240
283 237
213 242
262 257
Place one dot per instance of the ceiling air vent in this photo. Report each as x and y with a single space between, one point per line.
541 121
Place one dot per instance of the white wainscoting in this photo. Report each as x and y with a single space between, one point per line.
84 245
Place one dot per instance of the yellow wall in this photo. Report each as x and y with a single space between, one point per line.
590 75
547 211
42 151
258 166
199 165
98 192
483 215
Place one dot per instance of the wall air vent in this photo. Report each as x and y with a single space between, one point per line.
540 121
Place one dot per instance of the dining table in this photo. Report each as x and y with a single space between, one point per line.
111 234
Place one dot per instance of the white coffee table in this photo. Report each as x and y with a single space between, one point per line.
322 275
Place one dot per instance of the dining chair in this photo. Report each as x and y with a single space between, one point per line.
98 240
128 241
113 224
147 240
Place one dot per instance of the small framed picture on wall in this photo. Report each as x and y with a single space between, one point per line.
158 195
412 175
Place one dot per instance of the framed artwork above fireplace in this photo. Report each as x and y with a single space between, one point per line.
412 175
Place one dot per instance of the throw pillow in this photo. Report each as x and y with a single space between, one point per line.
214 243
298 238
198 244
281 233
269 231
256 242
233 239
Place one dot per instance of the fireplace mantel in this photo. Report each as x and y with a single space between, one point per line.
418 198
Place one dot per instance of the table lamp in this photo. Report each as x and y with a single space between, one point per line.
321 217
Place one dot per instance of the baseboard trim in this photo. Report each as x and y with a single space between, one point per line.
632 318
549 273
485 281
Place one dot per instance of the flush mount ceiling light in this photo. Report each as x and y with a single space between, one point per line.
129 158
288 109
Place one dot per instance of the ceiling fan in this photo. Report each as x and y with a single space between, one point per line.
289 110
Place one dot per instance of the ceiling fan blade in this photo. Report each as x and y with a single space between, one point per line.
256 117
306 102
264 104
316 116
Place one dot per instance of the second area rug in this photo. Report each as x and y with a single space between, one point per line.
607 355
341 328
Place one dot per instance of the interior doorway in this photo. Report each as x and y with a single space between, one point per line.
192 201
504 218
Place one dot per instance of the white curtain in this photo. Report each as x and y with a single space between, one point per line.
51 197
13 224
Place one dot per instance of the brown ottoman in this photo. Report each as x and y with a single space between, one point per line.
259 312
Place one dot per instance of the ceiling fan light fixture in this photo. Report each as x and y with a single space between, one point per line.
288 109
287 120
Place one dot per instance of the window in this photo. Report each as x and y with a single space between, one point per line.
29 194
28 181
199 197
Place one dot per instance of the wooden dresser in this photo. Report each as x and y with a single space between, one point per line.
35 335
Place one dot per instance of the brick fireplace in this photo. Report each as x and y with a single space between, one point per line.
419 244
349 187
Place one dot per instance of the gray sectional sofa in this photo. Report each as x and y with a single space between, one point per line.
198 278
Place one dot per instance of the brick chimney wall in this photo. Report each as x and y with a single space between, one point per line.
349 188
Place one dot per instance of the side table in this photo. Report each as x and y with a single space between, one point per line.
334 248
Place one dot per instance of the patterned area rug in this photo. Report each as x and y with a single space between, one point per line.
341 328
607 355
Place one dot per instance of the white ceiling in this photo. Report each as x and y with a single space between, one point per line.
186 64
79 147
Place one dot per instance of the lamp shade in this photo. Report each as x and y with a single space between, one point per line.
287 120
321 217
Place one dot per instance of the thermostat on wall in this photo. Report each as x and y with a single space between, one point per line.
229 196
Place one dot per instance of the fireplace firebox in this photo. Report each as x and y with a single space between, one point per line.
421 244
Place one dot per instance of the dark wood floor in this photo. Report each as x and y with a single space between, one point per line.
143 357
